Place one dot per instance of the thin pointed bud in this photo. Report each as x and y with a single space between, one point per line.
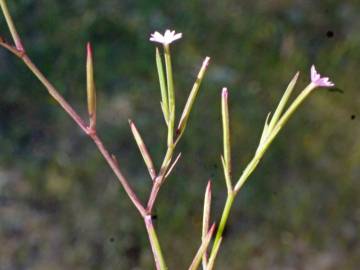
192 96
173 165
203 247
162 82
212 259
226 129
91 92
143 150
283 101
206 219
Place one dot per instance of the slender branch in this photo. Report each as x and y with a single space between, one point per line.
155 245
80 122
171 95
73 114
264 144
223 221
11 26
159 180
54 93
10 48
115 167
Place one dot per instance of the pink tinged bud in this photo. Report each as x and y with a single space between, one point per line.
225 93
89 50
202 249
206 62
167 38
206 211
91 92
226 137
318 80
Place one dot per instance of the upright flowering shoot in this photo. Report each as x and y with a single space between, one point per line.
168 106
271 129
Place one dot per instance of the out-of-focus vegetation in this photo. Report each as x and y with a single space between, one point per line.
60 205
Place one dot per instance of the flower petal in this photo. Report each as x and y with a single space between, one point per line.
318 80
168 37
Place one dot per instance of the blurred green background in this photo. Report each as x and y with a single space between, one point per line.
60 205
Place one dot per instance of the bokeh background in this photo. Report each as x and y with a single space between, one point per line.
60 205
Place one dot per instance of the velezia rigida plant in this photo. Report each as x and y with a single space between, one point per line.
206 254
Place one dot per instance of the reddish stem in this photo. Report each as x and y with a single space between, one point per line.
91 132
115 167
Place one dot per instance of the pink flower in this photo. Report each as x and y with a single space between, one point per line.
318 80
165 39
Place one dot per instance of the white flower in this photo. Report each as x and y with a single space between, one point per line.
165 39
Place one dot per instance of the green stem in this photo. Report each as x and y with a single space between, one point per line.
272 135
255 161
155 245
224 218
171 94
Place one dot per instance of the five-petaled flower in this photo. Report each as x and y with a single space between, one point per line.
318 80
165 39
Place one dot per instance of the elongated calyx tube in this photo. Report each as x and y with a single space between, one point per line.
90 86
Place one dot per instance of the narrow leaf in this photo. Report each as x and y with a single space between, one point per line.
173 165
164 112
144 152
192 96
283 101
91 93
265 132
164 97
292 108
203 247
